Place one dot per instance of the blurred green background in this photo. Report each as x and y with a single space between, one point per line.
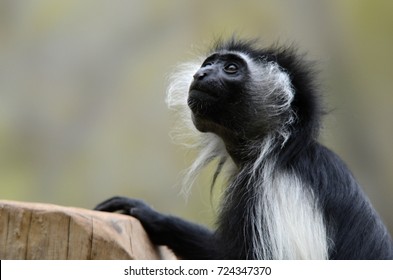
82 89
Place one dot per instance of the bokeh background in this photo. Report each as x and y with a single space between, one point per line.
82 89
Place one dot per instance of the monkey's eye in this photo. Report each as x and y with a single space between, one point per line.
207 64
231 68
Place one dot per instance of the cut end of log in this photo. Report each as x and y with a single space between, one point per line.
34 231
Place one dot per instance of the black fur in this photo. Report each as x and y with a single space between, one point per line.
354 229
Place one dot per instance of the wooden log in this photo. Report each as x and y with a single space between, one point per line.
43 231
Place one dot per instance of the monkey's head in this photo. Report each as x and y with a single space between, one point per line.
244 93
248 98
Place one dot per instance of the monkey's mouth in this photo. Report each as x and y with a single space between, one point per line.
200 101
201 95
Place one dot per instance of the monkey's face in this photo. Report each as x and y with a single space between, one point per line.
218 94
239 97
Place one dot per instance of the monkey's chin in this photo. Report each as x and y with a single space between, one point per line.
203 107
199 123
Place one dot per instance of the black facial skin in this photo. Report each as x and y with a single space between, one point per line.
217 97
219 81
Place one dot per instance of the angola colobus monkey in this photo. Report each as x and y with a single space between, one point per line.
288 197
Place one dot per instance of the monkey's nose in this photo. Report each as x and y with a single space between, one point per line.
199 74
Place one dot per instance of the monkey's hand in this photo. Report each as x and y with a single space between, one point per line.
149 218
186 239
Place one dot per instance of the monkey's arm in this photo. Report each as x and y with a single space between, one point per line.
186 239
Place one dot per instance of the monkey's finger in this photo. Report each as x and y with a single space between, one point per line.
119 203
